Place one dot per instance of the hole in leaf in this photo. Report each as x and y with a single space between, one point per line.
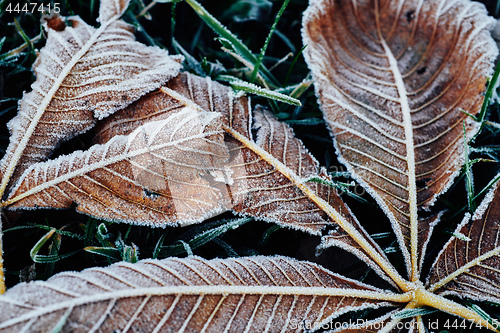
422 183
150 194
410 15
422 70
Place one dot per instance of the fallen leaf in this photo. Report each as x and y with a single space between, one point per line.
255 294
470 268
82 74
156 175
392 80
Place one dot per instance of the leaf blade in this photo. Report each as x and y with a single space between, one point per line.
391 96
468 267
155 175
204 289
83 74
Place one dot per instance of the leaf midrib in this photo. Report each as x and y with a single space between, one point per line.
410 159
464 269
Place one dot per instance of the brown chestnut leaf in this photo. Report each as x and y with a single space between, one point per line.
171 185
253 294
156 175
392 79
82 74
468 266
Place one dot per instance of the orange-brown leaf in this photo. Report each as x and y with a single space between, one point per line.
160 174
257 294
83 74
392 79
469 264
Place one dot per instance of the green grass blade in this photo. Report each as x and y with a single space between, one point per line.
381 235
24 36
41 242
308 121
492 85
54 250
469 177
159 244
103 236
203 238
292 65
190 61
223 32
268 233
409 313
109 252
343 187
483 314
92 6
187 248
130 253
227 248
296 90
487 187
266 43
45 227
259 91
301 88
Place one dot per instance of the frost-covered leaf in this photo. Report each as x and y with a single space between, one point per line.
185 90
256 187
470 268
257 294
158 175
82 74
267 174
392 78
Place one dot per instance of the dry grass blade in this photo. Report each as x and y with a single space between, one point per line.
258 294
83 74
470 267
160 174
392 78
